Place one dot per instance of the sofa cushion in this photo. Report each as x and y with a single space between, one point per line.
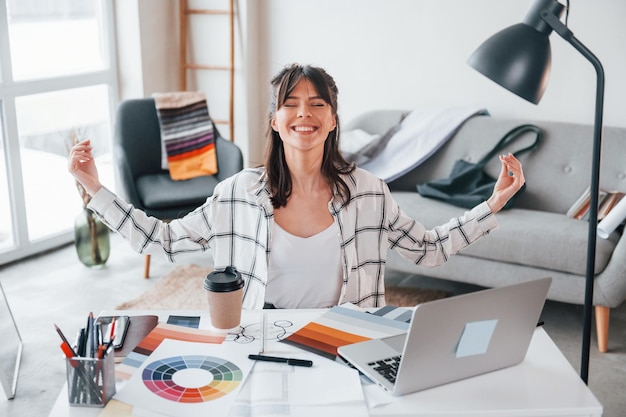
526 237
158 192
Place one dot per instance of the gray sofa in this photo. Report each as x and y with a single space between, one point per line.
535 238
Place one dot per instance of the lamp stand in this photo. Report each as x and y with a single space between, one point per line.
567 35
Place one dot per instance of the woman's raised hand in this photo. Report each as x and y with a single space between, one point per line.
509 182
83 167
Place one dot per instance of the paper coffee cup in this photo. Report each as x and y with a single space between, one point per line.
224 291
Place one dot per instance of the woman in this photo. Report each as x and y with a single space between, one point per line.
308 229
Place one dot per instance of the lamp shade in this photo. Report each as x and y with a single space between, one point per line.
519 57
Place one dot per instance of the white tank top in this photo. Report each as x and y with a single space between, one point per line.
304 272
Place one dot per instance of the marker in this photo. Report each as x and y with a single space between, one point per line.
67 350
82 343
288 361
101 351
112 330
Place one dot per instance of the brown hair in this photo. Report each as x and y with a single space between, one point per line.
333 163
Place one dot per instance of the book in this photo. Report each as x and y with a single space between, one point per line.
580 204
606 201
609 202
601 197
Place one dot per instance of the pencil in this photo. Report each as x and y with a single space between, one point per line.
68 347
91 340
262 350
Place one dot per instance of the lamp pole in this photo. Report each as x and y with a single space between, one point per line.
596 155
518 58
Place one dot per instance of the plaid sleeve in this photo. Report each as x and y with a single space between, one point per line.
433 247
147 234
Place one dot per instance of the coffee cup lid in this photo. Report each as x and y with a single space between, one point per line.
224 280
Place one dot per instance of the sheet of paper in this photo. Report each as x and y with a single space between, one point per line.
188 379
271 379
281 389
278 326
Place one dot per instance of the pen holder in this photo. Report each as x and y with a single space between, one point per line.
90 381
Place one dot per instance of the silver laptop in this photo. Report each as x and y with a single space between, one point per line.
454 338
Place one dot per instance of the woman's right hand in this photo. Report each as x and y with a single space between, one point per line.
83 167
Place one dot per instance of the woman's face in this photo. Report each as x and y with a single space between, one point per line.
304 120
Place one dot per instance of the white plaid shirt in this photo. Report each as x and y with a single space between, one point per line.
236 224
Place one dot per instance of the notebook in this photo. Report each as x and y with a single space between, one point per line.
454 338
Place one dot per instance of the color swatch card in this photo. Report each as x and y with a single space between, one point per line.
161 332
182 378
343 325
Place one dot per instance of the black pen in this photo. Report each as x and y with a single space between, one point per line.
288 361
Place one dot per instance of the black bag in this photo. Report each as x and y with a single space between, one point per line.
468 184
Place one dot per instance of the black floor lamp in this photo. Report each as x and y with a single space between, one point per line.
518 58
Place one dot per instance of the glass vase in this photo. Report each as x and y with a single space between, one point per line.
91 238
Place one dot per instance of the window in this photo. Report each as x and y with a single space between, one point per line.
6 227
57 81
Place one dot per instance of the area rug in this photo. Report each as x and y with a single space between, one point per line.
181 289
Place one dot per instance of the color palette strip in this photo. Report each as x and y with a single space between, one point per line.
187 321
170 331
323 340
341 326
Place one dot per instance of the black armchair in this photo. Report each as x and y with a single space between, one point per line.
142 181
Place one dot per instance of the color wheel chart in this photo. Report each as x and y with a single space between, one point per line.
192 378
181 378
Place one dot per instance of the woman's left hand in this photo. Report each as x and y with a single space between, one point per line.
509 182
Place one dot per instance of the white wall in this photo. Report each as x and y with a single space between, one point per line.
408 53
147 45
148 54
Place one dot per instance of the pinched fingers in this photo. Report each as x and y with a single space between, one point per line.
513 168
79 154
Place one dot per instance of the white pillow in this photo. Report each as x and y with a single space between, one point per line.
370 146
353 141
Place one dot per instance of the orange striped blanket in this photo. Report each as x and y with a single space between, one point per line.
187 134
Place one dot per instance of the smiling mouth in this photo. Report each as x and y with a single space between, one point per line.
304 128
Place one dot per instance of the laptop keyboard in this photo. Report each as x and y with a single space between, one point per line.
388 368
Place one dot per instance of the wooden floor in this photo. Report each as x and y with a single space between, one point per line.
56 288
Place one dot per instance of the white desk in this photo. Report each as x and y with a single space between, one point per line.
544 384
